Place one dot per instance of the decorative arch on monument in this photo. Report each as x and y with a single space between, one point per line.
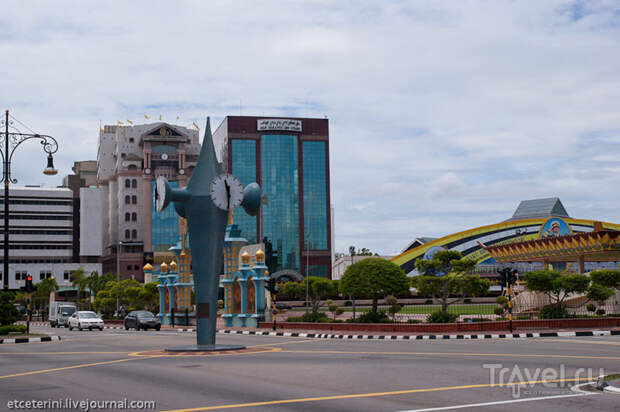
236 296
250 306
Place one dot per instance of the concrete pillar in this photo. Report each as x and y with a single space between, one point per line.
581 263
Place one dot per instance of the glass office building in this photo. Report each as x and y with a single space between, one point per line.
289 158
164 225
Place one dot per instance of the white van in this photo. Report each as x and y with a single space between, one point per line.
60 313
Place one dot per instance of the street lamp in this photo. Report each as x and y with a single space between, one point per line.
11 141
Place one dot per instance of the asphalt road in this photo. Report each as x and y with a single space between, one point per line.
297 374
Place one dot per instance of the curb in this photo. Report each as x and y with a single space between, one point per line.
30 340
417 337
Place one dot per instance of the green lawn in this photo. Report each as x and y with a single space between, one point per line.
464 309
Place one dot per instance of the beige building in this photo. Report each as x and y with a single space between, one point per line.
129 159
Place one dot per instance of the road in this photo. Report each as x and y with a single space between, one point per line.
297 374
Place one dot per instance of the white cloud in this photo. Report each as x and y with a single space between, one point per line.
486 102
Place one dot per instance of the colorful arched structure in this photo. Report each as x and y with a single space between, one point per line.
534 219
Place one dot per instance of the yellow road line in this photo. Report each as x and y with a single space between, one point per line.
335 352
64 353
64 368
372 395
591 342
280 343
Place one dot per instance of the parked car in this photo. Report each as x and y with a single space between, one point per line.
60 312
281 306
141 319
85 319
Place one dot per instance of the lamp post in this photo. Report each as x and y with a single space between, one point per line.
11 141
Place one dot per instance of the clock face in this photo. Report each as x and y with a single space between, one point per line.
159 195
164 156
226 191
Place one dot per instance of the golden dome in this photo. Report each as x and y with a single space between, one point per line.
163 267
260 255
173 266
245 258
147 268
183 254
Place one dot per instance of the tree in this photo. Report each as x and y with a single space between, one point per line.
394 307
557 287
291 291
318 289
606 278
149 296
361 252
80 281
97 282
43 290
8 312
374 278
445 276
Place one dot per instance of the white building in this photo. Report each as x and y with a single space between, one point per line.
342 263
129 159
41 239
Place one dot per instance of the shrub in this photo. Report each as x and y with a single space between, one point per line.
414 321
523 317
8 313
429 301
591 307
467 300
348 303
12 328
498 311
481 320
373 317
553 312
502 301
600 312
439 317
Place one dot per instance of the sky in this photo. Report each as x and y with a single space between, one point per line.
442 115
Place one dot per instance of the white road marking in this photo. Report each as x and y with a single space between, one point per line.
475 405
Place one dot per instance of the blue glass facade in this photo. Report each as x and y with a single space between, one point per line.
280 184
320 271
244 167
164 225
315 195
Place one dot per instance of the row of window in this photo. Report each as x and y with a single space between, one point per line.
135 267
38 202
133 234
29 260
37 232
131 217
37 217
131 199
131 183
13 246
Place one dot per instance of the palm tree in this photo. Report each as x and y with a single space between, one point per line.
79 280
44 288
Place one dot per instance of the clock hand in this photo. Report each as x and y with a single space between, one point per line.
227 194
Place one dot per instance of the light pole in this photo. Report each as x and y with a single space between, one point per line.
11 141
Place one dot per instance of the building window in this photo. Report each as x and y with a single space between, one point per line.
127 183
279 183
132 167
127 199
134 234
244 167
66 275
134 183
314 155
21 275
320 271
134 216
134 199
45 275
127 217
127 234
131 140
136 267
128 267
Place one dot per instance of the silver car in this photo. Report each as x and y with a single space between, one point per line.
85 319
